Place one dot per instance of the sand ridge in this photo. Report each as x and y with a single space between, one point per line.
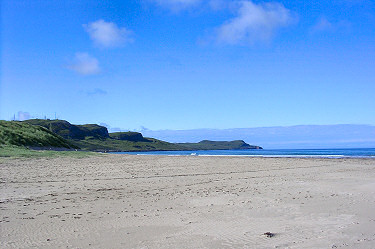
129 201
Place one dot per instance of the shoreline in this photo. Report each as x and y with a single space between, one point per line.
130 201
270 153
257 156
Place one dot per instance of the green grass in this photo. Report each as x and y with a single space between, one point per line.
11 151
129 136
32 134
70 131
109 144
23 134
91 137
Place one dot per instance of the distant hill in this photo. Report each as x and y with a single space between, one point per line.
24 134
94 137
111 144
129 136
281 137
219 145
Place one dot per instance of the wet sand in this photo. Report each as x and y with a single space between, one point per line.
123 201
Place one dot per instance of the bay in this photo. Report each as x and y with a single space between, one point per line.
324 153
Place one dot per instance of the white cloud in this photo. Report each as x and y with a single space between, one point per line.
23 116
108 34
177 5
254 22
85 64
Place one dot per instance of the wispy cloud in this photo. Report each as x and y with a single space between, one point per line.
21 116
218 4
105 125
254 22
142 128
108 34
84 64
96 91
323 25
177 5
116 129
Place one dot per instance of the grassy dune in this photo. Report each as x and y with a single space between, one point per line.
23 134
11 151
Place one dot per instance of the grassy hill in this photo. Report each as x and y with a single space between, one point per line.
69 131
93 137
129 136
24 134
111 144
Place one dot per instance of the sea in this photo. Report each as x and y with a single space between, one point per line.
304 153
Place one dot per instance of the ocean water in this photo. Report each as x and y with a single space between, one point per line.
324 153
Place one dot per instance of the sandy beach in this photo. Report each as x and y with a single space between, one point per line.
124 201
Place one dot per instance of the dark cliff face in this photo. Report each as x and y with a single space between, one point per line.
70 131
93 130
129 136
245 146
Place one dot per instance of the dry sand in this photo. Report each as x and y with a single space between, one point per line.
120 201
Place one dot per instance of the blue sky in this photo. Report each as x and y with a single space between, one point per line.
186 64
